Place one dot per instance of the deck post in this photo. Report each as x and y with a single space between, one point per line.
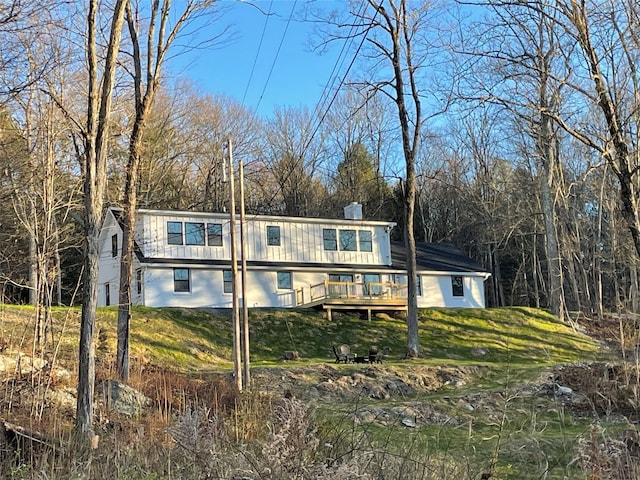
329 314
369 314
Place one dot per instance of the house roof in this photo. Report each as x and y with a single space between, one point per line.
435 257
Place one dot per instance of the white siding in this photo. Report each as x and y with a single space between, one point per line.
262 289
207 288
437 292
109 266
301 241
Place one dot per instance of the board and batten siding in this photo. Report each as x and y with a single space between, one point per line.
301 240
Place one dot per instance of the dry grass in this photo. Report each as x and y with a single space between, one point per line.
201 427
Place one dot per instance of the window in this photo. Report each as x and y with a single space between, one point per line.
457 286
340 284
273 235
114 246
181 280
364 236
107 294
174 233
372 285
214 234
285 281
402 279
329 239
227 281
139 282
348 240
194 233
340 277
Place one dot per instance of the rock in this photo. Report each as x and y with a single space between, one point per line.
290 355
466 405
122 399
20 364
561 390
365 417
61 374
63 398
409 422
378 392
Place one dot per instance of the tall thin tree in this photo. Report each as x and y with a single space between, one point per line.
160 35
94 164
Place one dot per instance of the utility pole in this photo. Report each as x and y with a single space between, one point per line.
243 278
234 275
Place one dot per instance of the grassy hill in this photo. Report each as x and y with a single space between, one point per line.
195 340
480 399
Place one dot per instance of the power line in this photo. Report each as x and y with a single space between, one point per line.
255 60
275 59
339 62
344 77
306 145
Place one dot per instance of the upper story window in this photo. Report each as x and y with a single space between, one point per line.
214 234
181 280
364 237
174 233
329 239
273 235
457 286
114 245
194 233
348 241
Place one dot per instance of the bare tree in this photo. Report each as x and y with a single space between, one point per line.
606 35
147 67
293 154
101 75
394 32
518 69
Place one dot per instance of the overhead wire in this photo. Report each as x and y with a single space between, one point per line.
338 64
255 60
323 110
275 58
344 77
323 107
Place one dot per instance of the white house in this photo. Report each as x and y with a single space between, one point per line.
183 259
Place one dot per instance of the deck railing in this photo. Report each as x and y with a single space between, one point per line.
356 290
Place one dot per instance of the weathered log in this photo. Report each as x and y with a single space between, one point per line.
11 435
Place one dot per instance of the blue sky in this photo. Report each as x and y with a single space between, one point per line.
286 73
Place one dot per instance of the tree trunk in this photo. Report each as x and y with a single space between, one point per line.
126 275
94 169
157 46
556 295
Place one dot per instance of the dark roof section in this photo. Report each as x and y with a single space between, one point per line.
438 257
261 264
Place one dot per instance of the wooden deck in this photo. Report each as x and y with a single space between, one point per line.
355 296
